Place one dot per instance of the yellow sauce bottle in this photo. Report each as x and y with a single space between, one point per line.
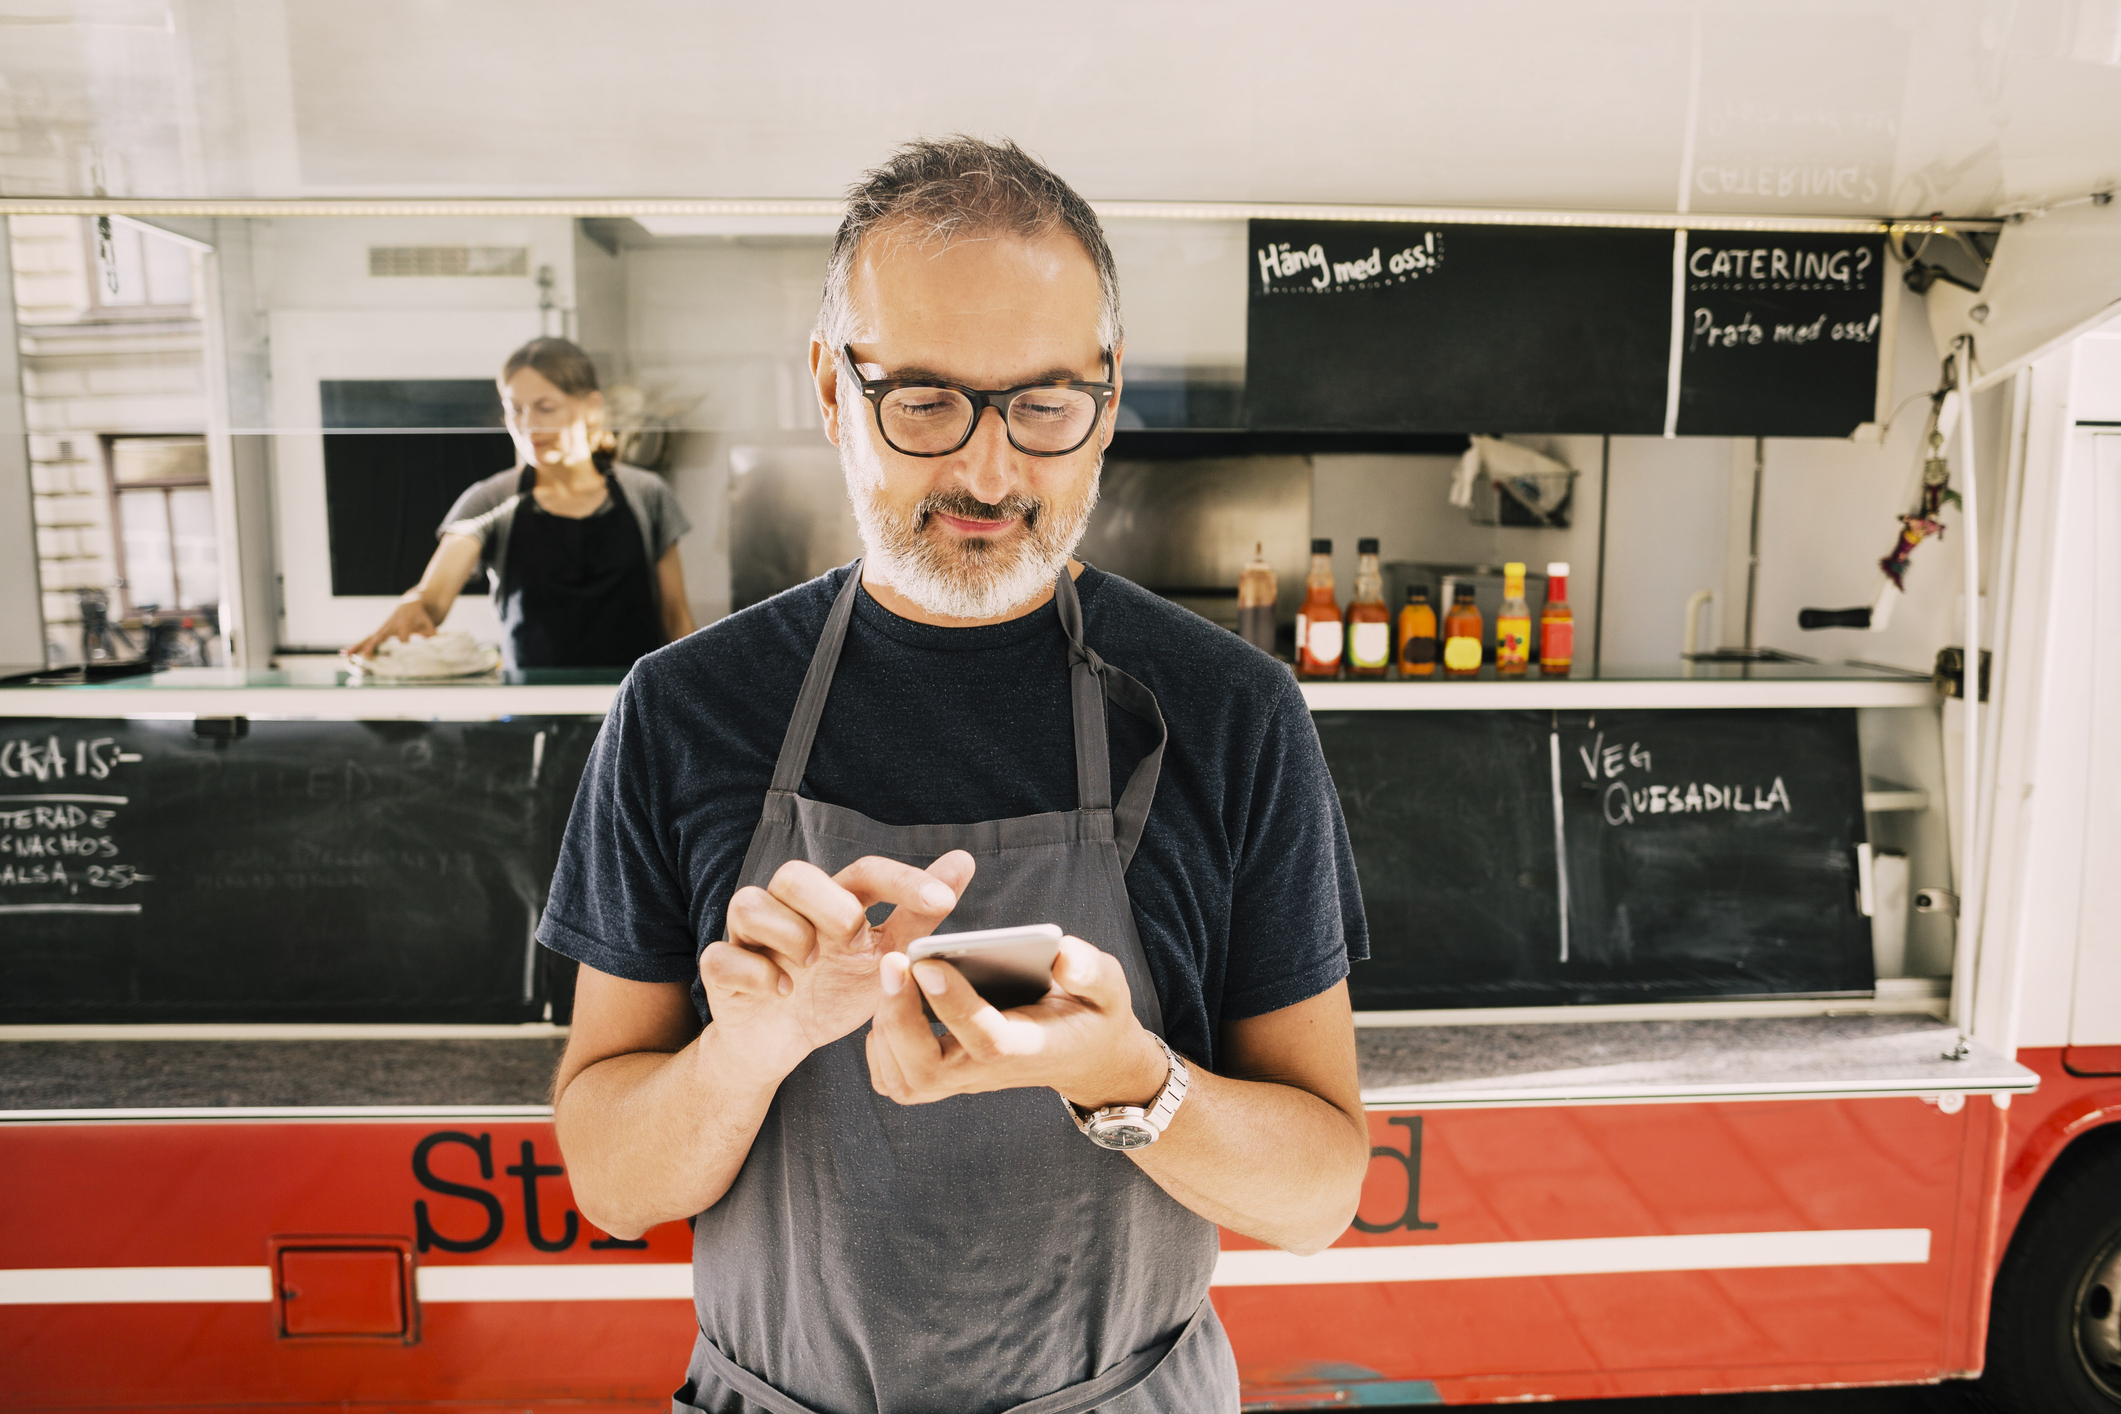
1513 625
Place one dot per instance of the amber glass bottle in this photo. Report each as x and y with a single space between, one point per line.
1557 624
1417 634
1369 621
1462 635
1318 635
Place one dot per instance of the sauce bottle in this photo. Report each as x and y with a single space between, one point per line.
1417 634
1369 621
1257 589
1461 635
1318 621
1513 624
1557 624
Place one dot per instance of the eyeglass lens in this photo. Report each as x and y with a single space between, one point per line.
926 421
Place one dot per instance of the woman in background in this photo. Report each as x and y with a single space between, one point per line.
580 551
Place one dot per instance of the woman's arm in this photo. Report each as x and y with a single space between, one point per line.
424 606
670 587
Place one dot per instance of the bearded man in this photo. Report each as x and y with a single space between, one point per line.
1010 1209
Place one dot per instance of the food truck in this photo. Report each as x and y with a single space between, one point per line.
1741 1013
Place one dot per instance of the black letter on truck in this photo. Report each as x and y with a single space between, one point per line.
1411 1162
428 1237
530 1171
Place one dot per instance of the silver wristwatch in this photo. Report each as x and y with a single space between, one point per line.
1131 1126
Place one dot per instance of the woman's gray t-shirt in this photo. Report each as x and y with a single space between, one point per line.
486 512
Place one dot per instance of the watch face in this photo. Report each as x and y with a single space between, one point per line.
1122 1132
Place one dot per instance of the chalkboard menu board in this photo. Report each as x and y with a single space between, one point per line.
1535 858
1413 328
1780 333
1392 326
298 871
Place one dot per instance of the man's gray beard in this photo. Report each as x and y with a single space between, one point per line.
958 581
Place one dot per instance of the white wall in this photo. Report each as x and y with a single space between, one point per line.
718 332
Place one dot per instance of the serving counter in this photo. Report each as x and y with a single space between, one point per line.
320 892
384 1073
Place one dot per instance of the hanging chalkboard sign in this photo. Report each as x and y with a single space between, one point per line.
1708 854
1412 327
1359 326
278 871
1780 333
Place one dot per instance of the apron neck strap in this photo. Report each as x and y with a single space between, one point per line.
1091 683
817 686
1086 697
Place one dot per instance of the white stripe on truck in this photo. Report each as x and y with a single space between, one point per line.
672 1281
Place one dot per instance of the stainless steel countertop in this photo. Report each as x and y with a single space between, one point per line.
1428 1067
327 690
1425 1067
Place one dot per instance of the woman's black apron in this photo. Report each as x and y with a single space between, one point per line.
576 593
978 1254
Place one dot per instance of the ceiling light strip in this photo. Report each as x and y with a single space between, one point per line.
1110 210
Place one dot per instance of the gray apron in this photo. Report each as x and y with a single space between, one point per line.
978 1254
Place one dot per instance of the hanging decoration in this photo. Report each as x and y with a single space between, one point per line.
1936 493
106 247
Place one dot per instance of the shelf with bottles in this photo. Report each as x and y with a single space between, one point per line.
1631 686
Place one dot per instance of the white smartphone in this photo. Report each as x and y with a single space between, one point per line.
1008 966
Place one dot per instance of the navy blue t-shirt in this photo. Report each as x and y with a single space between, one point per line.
1243 888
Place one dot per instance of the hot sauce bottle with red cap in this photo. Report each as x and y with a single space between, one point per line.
1318 634
1557 624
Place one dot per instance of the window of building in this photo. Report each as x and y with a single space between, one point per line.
136 273
168 559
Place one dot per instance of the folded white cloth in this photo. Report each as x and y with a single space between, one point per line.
1506 462
450 654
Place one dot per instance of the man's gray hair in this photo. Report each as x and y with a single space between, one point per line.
936 190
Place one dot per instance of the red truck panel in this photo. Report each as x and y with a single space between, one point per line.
1519 1190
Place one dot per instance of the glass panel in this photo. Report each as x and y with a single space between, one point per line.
168 269
194 550
150 574
410 402
134 460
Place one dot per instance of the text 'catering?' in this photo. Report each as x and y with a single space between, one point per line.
56 817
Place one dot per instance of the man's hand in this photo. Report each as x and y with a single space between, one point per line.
799 969
1081 1038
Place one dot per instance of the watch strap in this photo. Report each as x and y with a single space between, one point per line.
1158 1113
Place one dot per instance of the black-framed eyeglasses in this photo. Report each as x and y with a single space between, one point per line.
927 417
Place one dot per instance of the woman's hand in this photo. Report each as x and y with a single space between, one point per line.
408 621
424 606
